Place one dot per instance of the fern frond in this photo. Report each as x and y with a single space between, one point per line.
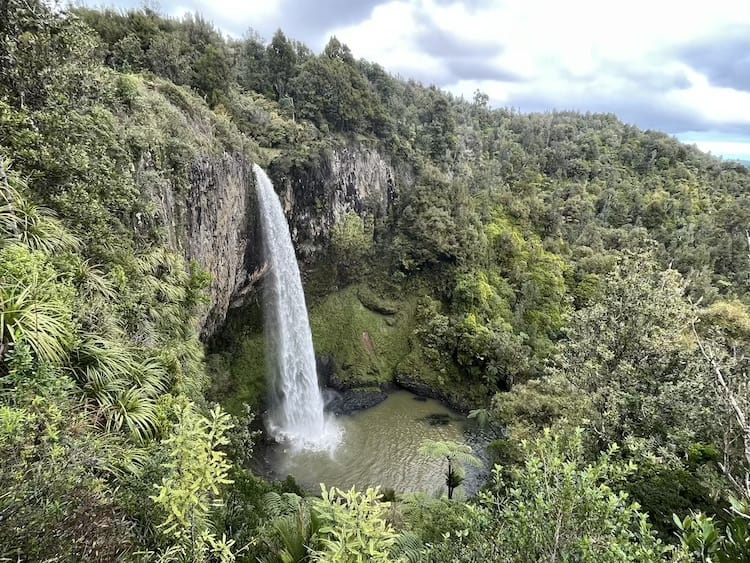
409 547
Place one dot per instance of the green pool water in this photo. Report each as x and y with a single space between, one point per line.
379 446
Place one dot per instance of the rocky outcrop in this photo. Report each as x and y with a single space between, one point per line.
214 223
353 400
316 193
342 399
423 389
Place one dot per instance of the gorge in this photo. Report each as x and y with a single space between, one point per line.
378 446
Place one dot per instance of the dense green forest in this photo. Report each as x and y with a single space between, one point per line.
579 284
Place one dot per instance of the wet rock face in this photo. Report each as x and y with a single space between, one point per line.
214 223
353 400
215 220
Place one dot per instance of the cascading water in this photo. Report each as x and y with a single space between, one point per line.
297 415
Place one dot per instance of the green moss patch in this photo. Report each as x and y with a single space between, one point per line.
238 376
365 345
416 373
368 349
375 303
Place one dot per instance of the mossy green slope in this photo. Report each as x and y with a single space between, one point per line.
238 377
364 343
365 335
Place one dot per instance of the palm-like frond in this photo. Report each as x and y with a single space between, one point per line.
105 360
99 387
43 324
123 385
97 314
23 221
39 229
140 326
294 532
131 409
91 280
452 451
165 275
120 458
291 521
98 359
9 229
151 377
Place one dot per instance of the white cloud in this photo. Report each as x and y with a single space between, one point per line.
235 10
387 38
578 54
718 144
714 104
728 149
233 17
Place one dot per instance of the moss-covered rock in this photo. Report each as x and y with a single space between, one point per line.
236 366
360 351
238 377
375 303
416 374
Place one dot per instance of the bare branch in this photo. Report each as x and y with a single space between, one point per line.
739 415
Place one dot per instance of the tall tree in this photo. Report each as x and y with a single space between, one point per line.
282 61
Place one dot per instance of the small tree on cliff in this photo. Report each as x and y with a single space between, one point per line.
457 455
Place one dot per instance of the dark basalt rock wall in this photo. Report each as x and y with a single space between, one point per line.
317 192
215 221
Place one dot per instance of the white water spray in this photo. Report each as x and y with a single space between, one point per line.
296 401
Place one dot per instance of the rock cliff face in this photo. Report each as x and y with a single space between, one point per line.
215 222
317 193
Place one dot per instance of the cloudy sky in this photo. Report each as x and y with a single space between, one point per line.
674 65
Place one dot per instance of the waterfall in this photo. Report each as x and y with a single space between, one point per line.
296 414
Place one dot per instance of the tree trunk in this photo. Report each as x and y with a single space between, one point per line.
450 481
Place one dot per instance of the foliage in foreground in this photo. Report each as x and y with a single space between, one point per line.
555 506
644 367
352 526
90 404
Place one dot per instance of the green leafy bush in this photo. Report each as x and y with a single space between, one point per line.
353 526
